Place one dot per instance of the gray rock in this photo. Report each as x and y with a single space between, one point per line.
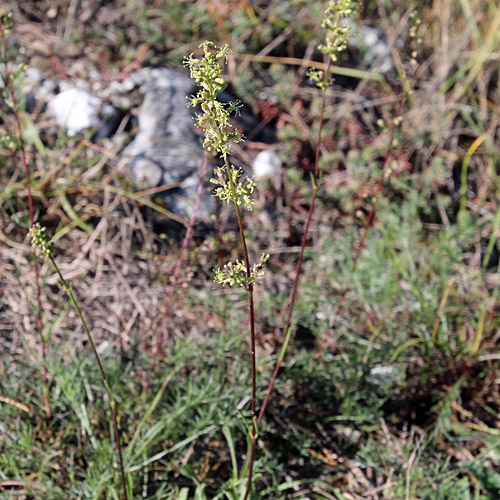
385 374
46 90
167 148
378 50
32 80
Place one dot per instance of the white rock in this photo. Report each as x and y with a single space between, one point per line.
267 165
75 109
116 87
380 374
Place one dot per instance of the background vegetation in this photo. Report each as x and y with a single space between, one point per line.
398 399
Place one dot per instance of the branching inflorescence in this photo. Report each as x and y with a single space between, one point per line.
220 134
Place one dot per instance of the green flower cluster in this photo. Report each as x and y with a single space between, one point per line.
7 21
336 34
236 274
41 239
9 142
241 194
215 116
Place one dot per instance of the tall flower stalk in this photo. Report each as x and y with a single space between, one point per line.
5 26
41 240
219 135
335 41
214 120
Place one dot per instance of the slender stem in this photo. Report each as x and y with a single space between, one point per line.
26 167
251 313
67 288
218 229
287 331
238 215
253 436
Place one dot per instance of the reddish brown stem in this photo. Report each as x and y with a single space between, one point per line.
218 229
251 313
253 436
31 212
287 333
290 307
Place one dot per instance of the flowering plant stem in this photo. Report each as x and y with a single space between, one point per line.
251 312
219 136
40 239
31 212
335 41
315 187
112 403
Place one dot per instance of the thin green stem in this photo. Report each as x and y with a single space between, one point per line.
492 240
67 288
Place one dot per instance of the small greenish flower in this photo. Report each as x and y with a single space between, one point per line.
232 274
8 142
41 239
215 116
7 21
336 32
241 194
317 76
236 274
